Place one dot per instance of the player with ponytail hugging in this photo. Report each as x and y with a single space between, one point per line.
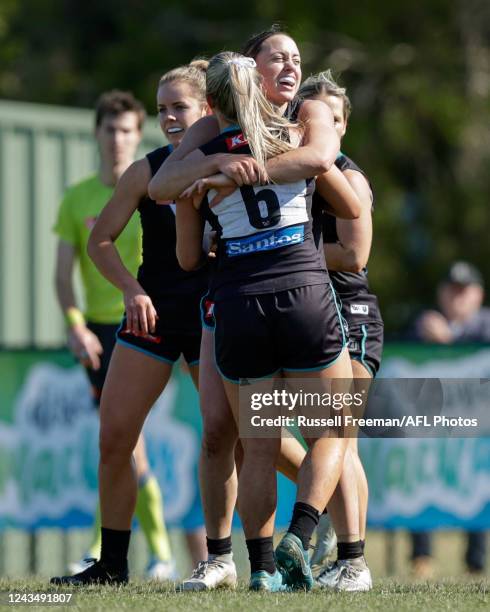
161 322
274 306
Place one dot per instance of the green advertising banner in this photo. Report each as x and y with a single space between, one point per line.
49 448
49 443
429 483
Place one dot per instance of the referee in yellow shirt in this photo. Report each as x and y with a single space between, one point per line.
91 336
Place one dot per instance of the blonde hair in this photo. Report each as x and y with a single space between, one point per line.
323 83
234 86
194 74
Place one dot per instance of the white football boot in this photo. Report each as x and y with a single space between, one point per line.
350 575
212 574
328 576
326 541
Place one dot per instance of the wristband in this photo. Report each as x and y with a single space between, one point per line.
73 317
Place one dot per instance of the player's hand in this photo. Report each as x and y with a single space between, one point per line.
195 192
433 327
141 316
242 169
85 345
219 182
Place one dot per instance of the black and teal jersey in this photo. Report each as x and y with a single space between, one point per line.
265 237
160 273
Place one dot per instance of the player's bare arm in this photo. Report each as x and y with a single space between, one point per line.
351 253
319 148
131 188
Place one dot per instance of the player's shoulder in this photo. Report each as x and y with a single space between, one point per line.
157 157
229 141
344 162
306 109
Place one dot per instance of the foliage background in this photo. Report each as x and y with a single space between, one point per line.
418 75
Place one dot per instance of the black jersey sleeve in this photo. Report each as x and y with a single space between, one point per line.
345 163
213 146
157 157
231 142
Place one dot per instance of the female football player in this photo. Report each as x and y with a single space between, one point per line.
161 322
275 309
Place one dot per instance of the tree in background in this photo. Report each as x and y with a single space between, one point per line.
418 75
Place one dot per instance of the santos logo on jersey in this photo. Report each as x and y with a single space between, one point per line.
266 241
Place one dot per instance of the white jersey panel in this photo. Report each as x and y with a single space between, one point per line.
251 210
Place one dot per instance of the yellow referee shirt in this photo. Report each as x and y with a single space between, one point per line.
78 212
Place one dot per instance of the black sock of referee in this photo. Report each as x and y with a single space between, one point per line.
114 549
261 555
363 545
305 519
349 550
220 547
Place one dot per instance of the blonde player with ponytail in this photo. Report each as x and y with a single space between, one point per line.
274 306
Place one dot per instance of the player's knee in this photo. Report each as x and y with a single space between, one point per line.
115 447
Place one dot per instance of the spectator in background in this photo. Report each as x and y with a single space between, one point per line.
461 317
119 119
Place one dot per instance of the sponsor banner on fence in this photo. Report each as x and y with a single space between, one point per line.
429 483
49 449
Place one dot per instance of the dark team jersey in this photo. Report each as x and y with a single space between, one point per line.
265 238
346 284
160 273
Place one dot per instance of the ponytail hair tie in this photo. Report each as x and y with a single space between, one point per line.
243 62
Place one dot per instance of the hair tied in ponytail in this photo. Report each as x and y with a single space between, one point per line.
243 62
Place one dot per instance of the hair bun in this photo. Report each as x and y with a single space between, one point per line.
200 64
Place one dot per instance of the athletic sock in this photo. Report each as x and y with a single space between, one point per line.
149 512
363 545
220 548
115 545
349 550
94 548
305 519
261 555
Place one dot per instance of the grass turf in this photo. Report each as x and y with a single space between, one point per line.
386 595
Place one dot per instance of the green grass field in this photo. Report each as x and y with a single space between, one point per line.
450 588
387 595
